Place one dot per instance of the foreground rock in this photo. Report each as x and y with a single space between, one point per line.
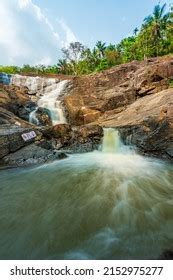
76 139
46 144
18 151
8 118
12 138
31 155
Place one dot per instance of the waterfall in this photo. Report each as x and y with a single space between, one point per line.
33 118
36 85
111 141
50 101
48 92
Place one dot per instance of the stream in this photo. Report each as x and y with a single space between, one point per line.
107 204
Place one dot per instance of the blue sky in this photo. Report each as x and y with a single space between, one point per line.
34 31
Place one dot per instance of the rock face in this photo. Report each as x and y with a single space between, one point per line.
75 139
8 118
135 97
16 100
114 89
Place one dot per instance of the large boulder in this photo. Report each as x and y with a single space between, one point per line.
31 155
13 138
16 100
25 110
82 138
8 118
153 77
11 96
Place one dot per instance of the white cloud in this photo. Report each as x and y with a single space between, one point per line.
70 36
10 42
28 4
44 61
28 36
24 3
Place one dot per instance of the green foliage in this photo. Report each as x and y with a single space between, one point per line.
153 38
171 83
103 64
9 69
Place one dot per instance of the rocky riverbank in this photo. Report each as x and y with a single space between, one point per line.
136 98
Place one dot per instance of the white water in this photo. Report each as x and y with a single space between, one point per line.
48 92
108 204
112 143
33 118
51 102
36 85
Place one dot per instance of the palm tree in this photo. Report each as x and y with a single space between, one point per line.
101 48
157 22
111 47
62 66
135 31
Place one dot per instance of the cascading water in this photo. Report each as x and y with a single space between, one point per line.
107 204
33 117
111 141
48 91
50 102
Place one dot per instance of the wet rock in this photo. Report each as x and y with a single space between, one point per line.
24 111
16 100
43 116
74 138
166 255
8 118
31 155
11 138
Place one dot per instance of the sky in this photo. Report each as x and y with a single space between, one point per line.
34 31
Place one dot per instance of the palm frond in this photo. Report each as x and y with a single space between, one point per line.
162 10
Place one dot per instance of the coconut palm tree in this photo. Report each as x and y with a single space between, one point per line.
157 23
135 31
111 47
62 66
101 48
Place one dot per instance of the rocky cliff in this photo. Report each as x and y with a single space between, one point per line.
136 98
111 91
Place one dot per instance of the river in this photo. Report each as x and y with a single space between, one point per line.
107 204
